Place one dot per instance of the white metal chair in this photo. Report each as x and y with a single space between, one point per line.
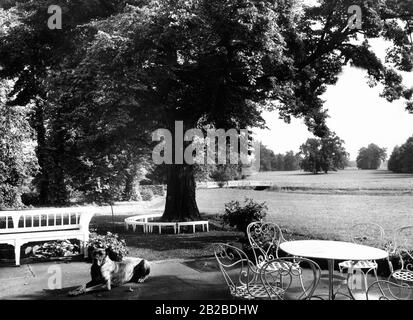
240 273
265 239
387 290
280 275
403 248
370 234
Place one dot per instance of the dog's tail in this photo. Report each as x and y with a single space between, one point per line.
141 271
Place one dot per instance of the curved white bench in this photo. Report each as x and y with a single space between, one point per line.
234 184
147 225
24 226
160 225
204 224
141 220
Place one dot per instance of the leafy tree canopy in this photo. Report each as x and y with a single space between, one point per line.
323 155
278 162
119 69
17 158
401 160
370 158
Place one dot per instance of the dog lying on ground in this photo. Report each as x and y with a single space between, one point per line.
106 273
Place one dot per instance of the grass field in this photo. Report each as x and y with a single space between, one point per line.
325 215
344 179
308 213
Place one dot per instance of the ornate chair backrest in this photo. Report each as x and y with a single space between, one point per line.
264 238
236 268
286 273
403 246
370 234
386 290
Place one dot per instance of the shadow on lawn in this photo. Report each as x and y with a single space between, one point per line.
183 245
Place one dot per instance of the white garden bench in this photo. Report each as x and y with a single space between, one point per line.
20 227
234 184
141 220
204 224
148 225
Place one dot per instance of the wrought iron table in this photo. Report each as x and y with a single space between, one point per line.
330 251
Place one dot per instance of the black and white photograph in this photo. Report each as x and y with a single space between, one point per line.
206 155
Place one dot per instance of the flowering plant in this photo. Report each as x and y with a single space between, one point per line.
115 247
54 249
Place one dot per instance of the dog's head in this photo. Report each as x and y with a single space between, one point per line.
99 256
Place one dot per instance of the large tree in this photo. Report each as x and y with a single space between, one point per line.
29 53
201 63
208 63
370 158
323 155
401 159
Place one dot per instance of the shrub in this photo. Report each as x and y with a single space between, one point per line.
146 194
240 216
157 190
136 195
221 184
116 248
223 173
30 199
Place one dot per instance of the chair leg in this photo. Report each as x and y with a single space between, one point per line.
302 286
365 275
85 249
365 280
17 248
341 270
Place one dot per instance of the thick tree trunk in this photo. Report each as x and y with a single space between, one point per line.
129 193
42 178
180 198
58 194
129 185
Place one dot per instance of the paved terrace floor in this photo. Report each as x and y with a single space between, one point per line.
169 280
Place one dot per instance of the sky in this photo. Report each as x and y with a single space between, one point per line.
357 113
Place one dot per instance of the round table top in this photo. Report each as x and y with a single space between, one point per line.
335 250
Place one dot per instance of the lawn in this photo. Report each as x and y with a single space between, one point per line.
323 216
186 245
344 179
300 214
329 214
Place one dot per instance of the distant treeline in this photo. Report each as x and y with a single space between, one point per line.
401 160
270 161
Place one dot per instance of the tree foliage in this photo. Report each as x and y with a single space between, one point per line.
323 155
17 159
278 162
120 69
401 160
370 158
